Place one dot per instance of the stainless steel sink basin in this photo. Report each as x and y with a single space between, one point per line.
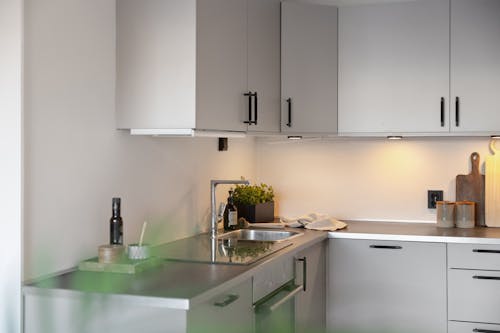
260 235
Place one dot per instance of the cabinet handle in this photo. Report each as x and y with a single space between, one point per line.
486 251
285 299
289 101
386 247
256 106
442 111
480 330
266 304
304 272
249 95
482 277
457 111
229 299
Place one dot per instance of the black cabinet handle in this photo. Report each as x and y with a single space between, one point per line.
486 251
480 330
249 95
457 111
304 272
229 299
386 247
442 111
256 113
289 101
482 277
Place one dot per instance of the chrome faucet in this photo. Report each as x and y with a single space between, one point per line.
213 215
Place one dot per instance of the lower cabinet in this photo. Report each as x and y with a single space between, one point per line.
89 313
289 293
386 286
228 312
310 304
473 288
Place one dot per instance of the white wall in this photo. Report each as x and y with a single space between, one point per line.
367 179
75 159
10 166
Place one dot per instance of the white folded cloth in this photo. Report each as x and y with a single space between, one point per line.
314 221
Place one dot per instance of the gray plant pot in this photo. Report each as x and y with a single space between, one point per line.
262 212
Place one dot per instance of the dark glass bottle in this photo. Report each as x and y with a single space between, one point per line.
116 224
230 214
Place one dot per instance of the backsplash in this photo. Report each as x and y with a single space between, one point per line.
365 179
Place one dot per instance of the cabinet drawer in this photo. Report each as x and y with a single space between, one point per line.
460 327
474 256
272 276
474 296
228 312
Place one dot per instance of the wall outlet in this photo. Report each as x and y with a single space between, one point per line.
432 197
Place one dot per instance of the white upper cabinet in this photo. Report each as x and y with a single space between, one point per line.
475 65
394 67
184 65
221 64
401 73
264 74
309 68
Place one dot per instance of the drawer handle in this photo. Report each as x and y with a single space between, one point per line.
442 111
229 299
289 101
386 247
486 251
304 272
480 330
285 299
479 277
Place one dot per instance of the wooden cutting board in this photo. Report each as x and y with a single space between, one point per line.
471 188
493 187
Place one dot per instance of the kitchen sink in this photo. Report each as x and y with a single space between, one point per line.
260 235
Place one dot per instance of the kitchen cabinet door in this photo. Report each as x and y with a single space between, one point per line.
221 64
309 68
310 305
229 312
264 75
182 64
51 312
394 68
386 286
475 66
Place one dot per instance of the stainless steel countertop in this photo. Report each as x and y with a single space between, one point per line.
177 285
421 232
180 285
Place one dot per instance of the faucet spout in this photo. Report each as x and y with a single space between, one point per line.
213 213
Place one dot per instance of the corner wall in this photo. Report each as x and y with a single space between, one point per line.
76 160
11 164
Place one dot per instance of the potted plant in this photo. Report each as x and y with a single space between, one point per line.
255 202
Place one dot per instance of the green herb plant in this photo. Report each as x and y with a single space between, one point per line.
253 194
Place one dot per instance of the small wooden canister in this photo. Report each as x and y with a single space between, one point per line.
109 254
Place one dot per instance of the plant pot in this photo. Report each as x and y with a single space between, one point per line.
262 212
